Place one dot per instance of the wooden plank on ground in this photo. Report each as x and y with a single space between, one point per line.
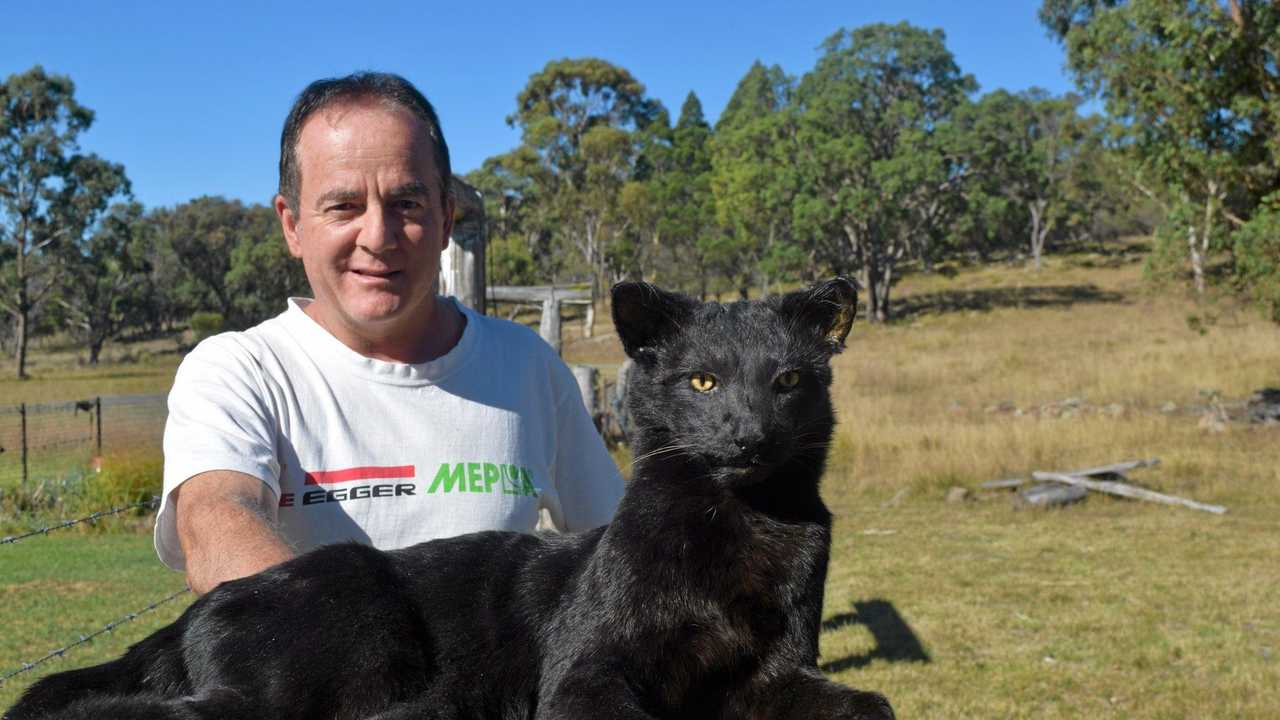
1051 494
1127 490
1116 469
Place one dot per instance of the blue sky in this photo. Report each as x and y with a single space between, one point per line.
191 97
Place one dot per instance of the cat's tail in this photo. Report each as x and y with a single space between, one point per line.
150 671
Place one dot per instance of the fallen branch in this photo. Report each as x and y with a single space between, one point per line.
1009 484
1127 490
1116 469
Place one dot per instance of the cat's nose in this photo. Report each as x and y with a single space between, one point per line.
753 447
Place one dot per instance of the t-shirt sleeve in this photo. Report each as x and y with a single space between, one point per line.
220 418
588 483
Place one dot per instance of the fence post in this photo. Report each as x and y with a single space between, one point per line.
549 328
586 377
22 410
97 405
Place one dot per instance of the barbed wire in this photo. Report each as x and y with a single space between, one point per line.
10 539
28 667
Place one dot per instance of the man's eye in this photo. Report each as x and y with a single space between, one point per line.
341 207
409 204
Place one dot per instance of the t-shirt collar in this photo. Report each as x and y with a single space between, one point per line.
329 349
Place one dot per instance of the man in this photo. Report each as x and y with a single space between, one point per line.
377 412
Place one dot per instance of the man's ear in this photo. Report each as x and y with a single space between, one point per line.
826 309
450 217
646 316
288 225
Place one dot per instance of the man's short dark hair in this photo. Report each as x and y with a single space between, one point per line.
385 87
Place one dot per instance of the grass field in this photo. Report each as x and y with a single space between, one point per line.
1109 608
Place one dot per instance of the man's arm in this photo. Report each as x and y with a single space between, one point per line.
226 527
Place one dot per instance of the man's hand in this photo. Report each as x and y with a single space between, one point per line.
226 528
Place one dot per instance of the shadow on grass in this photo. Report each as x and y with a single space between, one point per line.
895 640
987 299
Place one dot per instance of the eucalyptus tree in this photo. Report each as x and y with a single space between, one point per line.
520 222
50 193
1195 90
581 119
232 259
1032 150
876 177
101 283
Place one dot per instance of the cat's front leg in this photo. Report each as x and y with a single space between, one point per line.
590 692
807 695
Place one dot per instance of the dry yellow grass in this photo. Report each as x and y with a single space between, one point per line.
1107 609
955 397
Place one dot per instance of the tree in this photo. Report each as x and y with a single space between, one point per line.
877 181
50 194
233 258
101 276
1195 92
262 275
752 180
681 203
1027 148
579 118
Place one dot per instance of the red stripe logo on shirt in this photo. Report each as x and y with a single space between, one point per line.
371 472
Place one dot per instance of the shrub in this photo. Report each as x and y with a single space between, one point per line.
206 324
1258 259
125 478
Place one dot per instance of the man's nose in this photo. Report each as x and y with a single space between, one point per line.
380 230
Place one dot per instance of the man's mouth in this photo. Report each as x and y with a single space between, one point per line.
377 274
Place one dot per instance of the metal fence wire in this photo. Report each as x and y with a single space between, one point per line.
42 441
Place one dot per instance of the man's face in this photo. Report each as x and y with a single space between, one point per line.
370 224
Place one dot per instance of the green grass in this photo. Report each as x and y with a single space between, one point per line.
58 373
57 587
1110 609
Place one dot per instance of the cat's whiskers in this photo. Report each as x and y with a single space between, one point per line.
666 449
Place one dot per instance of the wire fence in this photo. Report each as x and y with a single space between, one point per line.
90 518
63 442
84 638
87 638
43 441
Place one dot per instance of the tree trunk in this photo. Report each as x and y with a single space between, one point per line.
20 337
95 349
1197 260
883 313
1038 232
877 305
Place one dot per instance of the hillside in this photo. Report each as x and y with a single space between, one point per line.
1108 608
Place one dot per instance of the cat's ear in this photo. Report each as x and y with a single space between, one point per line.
644 316
827 309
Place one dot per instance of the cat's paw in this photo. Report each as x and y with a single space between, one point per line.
867 706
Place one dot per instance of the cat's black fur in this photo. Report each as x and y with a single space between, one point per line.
701 600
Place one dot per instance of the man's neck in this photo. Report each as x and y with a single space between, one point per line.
425 341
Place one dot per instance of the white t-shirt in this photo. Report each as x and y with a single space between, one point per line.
388 454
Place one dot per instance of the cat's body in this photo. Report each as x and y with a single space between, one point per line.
702 599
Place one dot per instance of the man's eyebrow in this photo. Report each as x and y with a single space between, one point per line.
413 188
337 196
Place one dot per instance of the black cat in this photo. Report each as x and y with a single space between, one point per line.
702 599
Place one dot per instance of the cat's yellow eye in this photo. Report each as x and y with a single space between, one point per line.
788 379
703 382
